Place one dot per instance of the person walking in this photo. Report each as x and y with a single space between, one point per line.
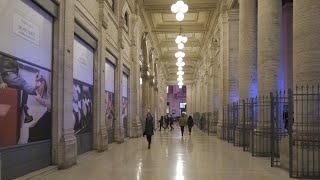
190 124
149 128
171 122
161 121
182 122
166 120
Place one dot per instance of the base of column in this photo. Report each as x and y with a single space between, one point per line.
261 145
284 153
220 132
242 137
102 140
136 131
119 135
213 129
67 151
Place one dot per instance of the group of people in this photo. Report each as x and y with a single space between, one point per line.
168 120
165 122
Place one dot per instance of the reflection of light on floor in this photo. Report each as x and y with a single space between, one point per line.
179 168
139 170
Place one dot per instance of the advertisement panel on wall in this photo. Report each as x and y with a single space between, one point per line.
27 32
82 86
124 104
25 73
109 101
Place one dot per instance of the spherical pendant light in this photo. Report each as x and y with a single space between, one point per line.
180 73
180 68
174 8
179 16
180 46
180 83
184 39
180 87
180 78
184 8
180 59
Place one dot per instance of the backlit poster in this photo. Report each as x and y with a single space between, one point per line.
25 73
27 32
124 104
109 90
82 87
25 102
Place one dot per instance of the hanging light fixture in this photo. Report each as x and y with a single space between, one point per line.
180 78
180 73
180 87
180 68
180 83
180 46
180 59
180 8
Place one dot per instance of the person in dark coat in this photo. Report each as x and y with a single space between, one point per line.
166 120
171 122
161 121
149 128
190 124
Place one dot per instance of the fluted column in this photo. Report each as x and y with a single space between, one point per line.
248 72
248 77
270 72
306 61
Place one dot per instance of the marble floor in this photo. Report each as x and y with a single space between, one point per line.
172 157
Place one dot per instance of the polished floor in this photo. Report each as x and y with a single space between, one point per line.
172 157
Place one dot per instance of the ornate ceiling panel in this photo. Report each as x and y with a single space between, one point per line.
166 28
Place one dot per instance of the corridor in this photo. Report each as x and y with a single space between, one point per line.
171 157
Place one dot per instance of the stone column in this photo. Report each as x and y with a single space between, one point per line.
306 61
100 136
248 75
119 130
189 100
210 97
270 77
135 103
64 142
229 92
145 93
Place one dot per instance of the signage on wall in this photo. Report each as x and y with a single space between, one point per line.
26 29
82 61
27 32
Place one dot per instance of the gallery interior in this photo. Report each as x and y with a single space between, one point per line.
78 78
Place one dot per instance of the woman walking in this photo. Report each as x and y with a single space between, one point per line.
182 122
190 124
149 127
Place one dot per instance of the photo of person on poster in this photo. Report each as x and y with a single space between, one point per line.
109 116
32 114
82 108
124 109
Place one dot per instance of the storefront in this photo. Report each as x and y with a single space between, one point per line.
110 67
26 45
83 60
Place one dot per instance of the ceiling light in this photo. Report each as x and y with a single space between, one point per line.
180 83
180 59
180 87
180 46
180 68
179 16
179 39
174 8
184 8
182 63
180 73
180 78
184 39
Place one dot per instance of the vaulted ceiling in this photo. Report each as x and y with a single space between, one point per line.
165 28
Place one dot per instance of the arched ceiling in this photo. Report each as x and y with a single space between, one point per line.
165 28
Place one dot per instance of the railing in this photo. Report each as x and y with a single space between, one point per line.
282 126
